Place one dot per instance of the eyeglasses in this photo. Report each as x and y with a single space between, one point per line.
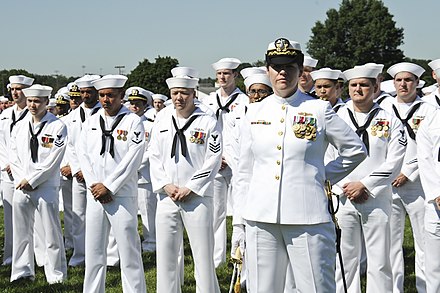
259 92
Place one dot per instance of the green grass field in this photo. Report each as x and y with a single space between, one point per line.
113 281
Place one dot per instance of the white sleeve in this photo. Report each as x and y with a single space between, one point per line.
426 153
386 172
351 150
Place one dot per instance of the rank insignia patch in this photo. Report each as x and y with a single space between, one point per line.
136 140
59 142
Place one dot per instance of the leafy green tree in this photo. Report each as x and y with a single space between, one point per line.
54 81
361 31
152 75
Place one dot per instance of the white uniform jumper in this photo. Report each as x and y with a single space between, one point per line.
428 153
113 161
186 154
147 199
9 119
433 98
74 123
66 197
369 222
281 177
40 166
222 183
409 198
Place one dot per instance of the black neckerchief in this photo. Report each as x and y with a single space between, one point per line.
362 130
181 136
226 106
14 122
409 116
34 141
82 113
109 134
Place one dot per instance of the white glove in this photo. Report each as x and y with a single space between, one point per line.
238 239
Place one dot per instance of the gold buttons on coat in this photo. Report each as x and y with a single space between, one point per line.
278 162
280 133
283 107
279 147
282 120
277 177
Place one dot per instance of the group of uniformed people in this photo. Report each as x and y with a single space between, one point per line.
266 157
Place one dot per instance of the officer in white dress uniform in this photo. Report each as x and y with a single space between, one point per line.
434 97
139 99
185 155
223 102
281 176
428 154
408 195
109 166
37 148
158 104
365 206
9 118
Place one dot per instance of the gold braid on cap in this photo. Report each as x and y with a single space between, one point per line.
135 95
282 49
61 101
74 91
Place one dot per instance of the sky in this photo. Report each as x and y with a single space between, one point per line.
93 36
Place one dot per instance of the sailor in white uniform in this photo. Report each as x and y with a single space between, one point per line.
408 195
305 82
109 166
158 104
9 118
185 155
434 97
281 176
76 118
223 103
428 154
37 148
365 208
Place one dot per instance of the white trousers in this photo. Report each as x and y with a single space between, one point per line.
45 201
195 214
147 201
222 186
39 239
310 249
66 194
8 192
432 244
121 216
416 212
79 204
373 224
